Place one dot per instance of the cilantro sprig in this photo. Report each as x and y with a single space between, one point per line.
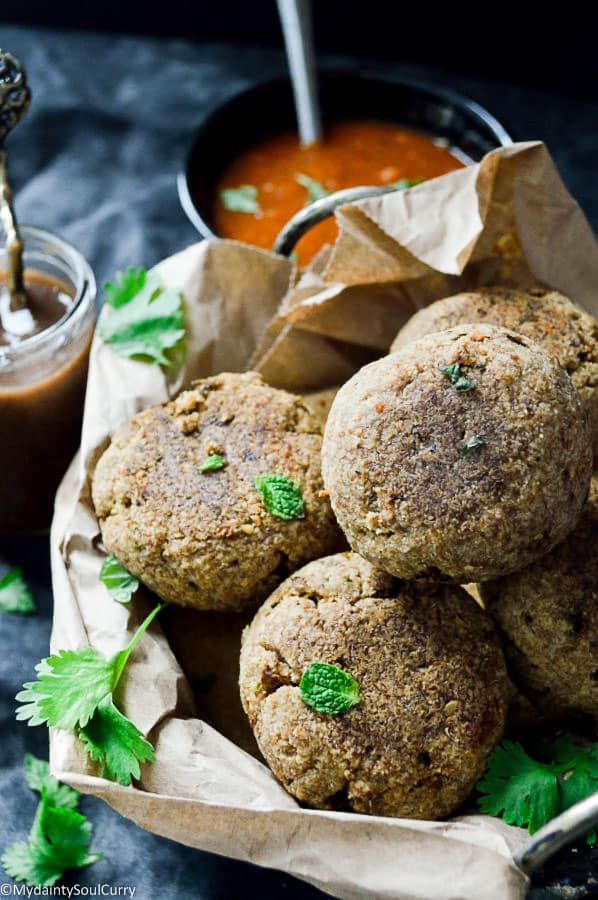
120 583
529 792
145 319
403 183
315 189
59 837
329 689
15 596
74 691
212 463
243 199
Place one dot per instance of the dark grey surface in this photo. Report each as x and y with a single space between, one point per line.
96 161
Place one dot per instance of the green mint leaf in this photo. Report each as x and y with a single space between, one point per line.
518 788
315 190
38 778
280 496
116 743
212 463
126 285
120 583
471 445
15 596
69 687
59 840
328 689
404 183
241 199
458 381
148 324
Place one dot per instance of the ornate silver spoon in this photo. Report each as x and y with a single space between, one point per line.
14 100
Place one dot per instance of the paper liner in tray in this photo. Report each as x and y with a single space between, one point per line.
508 219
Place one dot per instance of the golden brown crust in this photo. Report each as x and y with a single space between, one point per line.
411 490
433 690
542 315
206 540
548 614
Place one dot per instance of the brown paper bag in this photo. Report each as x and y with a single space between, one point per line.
508 219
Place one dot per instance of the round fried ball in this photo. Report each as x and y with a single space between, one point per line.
462 457
548 614
432 688
205 539
542 315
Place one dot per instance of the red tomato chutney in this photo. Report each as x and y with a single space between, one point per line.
352 153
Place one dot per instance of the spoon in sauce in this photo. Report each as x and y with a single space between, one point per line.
295 19
14 100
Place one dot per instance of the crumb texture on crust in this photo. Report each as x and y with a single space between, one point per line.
432 482
548 615
205 539
433 690
542 315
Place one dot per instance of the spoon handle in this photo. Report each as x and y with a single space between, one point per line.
14 245
295 19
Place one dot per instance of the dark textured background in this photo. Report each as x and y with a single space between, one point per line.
96 161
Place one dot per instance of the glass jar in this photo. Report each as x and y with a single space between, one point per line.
42 387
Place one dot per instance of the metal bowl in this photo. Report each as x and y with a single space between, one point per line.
267 108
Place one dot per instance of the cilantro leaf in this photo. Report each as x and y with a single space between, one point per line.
280 496
404 183
315 189
328 688
38 777
126 285
58 840
147 324
69 687
471 445
212 463
116 743
459 382
241 199
15 596
120 583
516 787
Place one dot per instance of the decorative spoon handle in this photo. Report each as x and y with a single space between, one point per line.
14 100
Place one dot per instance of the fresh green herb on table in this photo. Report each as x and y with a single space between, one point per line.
15 596
74 691
527 792
328 689
212 463
242 199
459 382
145 319
475 442
120 583
315 189
280 496
59 838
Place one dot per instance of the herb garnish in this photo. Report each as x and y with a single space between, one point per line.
404 183
315 189
526 792
329 689
120 583
212 463
74 691
145 318
59 838
241 199
280 496
471 445
15 596
459 382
